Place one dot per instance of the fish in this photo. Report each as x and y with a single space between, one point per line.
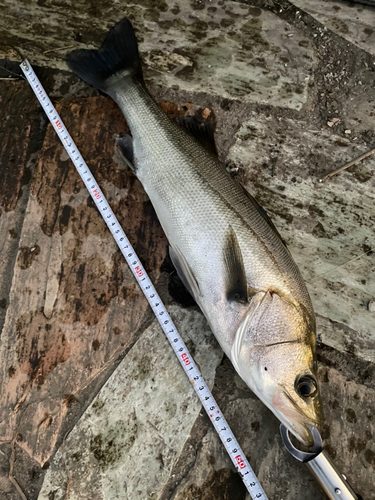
225 248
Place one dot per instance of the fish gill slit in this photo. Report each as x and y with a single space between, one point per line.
297 341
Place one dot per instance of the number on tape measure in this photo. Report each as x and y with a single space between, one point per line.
161 313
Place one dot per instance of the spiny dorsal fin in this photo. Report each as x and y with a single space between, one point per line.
235 278
202 130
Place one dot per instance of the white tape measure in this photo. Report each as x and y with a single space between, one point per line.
226 435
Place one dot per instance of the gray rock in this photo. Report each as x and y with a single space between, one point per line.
352 21
281 162
233 50
128 439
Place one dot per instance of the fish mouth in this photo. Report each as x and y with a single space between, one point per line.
294 419
302 433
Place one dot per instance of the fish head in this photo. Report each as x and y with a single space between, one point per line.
284 377
274 353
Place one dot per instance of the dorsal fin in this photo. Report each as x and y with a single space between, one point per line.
235 278
202 130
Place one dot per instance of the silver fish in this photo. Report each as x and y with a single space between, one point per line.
226 250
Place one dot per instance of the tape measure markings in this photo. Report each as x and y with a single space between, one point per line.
217 418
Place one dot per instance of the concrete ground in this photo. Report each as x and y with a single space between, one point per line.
93 404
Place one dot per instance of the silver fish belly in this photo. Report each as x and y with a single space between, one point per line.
224 247
197 202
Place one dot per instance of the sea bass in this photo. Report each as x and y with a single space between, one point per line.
225 249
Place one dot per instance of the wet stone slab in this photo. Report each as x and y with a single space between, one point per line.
127 440
353 21
20 140
325 225
140 440
73 307
348 434
235 51
229 48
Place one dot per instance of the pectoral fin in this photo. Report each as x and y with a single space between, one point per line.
235 278
184 272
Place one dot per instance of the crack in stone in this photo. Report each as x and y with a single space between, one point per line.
12 479
186 472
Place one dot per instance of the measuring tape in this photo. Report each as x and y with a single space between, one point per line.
213 411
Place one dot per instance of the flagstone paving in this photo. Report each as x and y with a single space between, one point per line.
93 404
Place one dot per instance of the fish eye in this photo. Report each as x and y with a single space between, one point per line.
306 386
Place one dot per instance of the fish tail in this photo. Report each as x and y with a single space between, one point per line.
117 58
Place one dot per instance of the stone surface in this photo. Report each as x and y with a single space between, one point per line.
352 21
63 328
327 226
62 274
20 141
348 437
229 49
127 440
91 460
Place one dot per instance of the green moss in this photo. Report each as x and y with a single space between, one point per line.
338 26
170 408
143 368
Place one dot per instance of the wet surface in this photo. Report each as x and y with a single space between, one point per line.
327 226
84 407
350 20
61 330
229 49
146 410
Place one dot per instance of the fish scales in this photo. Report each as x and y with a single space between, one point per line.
185 180
225 249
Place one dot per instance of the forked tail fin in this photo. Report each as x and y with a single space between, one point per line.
118 57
